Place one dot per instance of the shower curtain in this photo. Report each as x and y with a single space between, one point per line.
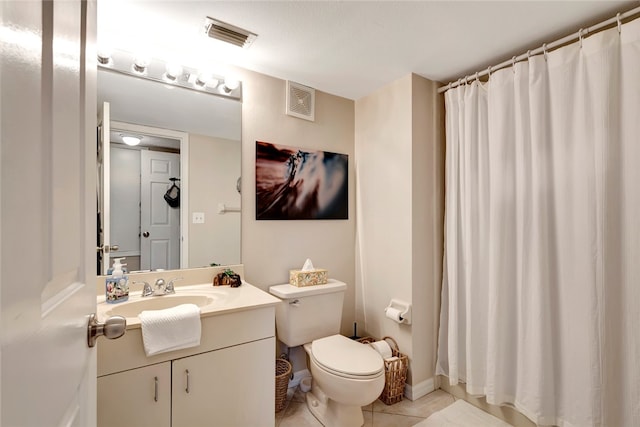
541 274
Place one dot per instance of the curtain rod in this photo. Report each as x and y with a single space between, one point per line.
544 48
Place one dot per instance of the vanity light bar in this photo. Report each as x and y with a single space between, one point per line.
170 74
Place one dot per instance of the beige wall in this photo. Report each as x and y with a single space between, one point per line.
214 167
271 248
399 158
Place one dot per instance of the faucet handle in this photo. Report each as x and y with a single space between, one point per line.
146 289
170 289
160 287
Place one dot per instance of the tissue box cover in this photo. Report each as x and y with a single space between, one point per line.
300 278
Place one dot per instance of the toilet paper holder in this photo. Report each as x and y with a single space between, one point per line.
402 307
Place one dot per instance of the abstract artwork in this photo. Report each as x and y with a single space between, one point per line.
294 183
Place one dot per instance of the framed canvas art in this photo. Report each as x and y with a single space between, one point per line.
295 183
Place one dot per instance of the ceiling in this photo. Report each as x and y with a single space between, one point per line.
348 48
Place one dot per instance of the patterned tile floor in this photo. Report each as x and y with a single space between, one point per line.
403 414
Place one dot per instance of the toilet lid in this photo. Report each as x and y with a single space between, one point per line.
342 355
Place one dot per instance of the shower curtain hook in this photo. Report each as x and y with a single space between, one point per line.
489 71
580 37
477 77
513 64
619 22
544 50
529 54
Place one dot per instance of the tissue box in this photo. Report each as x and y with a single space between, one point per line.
301 278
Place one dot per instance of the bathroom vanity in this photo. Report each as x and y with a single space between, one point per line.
228 380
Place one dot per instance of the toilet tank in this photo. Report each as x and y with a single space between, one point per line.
308 313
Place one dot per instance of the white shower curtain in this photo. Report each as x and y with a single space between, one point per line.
541 283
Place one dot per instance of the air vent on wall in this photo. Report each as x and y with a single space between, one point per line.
229 33
301 101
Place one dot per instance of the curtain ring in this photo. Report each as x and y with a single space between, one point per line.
528 54
544 50
459 82
580 37
477 77
513 64
619 22
489 71
449 86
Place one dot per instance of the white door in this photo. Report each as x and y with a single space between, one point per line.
47 216
103 190
159 222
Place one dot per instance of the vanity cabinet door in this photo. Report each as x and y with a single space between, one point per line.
140 397
233 386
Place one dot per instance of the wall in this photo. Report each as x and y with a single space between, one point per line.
399 156
271 248
214 167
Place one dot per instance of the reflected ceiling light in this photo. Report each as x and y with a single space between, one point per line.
173 72
140 64
131 140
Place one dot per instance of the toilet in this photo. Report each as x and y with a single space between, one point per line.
347 375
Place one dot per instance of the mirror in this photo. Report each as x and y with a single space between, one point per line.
192 137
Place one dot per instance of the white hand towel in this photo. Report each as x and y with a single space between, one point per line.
172 329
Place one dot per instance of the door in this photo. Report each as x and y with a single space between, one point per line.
48 205
159 222
104 247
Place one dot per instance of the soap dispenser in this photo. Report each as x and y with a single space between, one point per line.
117 284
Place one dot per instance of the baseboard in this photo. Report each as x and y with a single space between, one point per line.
416 391
297 376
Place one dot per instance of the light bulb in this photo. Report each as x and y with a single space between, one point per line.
231 84
173 72
203 79
140 64
104 56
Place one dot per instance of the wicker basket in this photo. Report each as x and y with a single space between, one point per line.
283 372
395 372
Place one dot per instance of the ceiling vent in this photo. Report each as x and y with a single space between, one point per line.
301 101
228 33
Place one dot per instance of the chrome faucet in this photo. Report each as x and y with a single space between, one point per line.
160 287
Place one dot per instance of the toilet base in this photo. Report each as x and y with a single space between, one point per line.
330 413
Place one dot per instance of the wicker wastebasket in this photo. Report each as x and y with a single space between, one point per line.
283 373
395 372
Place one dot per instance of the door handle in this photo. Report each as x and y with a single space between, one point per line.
106 248
145 234
114 327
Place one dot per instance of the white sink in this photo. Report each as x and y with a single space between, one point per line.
133 308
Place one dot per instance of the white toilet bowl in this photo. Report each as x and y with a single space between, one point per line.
347 375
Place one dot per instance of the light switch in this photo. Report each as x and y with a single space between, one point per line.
198 217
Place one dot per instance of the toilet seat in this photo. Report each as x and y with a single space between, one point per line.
346 358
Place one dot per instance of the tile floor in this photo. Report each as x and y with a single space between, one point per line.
402 414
